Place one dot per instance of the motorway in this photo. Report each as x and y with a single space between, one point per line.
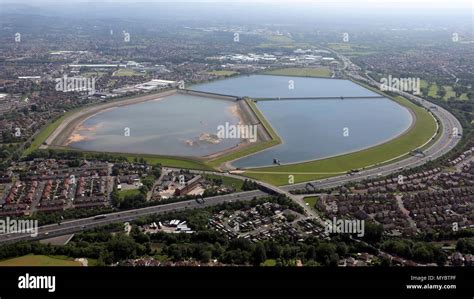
73 226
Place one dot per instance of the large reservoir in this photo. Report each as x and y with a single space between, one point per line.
310 129
265 86
316 129
178 125
320 128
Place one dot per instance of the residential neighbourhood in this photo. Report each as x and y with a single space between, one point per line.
327 141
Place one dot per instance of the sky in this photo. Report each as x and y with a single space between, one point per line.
406 4
435 8
333 3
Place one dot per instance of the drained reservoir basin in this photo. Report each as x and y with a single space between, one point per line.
177 125
310 129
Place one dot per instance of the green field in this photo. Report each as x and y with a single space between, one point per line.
127 72
423 83
311 200
302 72
351 49
131 192
269 263
449 92
448 89
463 97
433 91
423 130
227 181
278 41
39 260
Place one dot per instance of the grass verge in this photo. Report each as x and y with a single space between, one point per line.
301 72
39 260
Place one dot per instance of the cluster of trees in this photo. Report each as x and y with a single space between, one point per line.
149 181
97 244
417 251
8 151
440 236
133 201
310 190
50 217
465 245
129 201
9 137
372 232
238 251
204 246
249 185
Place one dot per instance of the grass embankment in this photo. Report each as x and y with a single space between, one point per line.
39 260
150 159
168 161
419 134
222 73
46 131
320 72
275 139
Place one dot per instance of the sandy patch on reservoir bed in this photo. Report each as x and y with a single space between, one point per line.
76 135
236 112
